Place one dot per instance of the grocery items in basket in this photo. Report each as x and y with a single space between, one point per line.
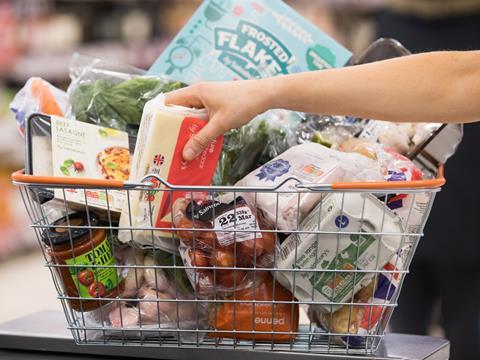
402 137
395 166
323 246
241 39
38 96
370 308
82 150
326 130
153 293
111 94
163 133
254 144
272 318
216 235
77 242
310 163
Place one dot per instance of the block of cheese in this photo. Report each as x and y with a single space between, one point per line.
164 131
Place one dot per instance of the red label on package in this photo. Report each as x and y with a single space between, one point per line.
199 171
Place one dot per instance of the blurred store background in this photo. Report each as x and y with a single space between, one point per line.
38 38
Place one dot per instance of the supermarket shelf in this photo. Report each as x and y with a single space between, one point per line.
45 333
54 67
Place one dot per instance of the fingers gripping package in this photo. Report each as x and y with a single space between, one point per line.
163 133
216 238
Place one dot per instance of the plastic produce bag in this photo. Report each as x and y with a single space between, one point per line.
38 96
111 94
155 296
206 252
326 130
254 144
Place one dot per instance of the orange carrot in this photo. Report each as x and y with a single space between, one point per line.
48 103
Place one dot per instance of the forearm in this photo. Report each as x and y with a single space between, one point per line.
431 87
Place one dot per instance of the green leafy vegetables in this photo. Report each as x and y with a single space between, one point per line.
117 105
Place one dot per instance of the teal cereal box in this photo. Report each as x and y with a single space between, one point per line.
245 39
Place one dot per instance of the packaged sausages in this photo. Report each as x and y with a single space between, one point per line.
220 242
164 131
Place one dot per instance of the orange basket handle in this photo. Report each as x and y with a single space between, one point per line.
20 177
439 181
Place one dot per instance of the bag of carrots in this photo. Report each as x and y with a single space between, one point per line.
38 96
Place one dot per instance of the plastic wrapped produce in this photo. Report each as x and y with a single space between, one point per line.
212 248
38 96
326 130
254 144
156 295
111 94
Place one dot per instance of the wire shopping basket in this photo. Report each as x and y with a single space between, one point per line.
218 272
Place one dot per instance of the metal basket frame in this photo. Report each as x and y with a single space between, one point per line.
308 339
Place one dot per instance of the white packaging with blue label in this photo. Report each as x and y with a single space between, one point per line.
341 233
309 163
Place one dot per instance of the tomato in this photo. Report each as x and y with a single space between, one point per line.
97 289
197 257
222 258
78 166
85 277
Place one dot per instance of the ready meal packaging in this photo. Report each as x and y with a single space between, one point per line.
243 39
84 150
355 214
310 163
163 133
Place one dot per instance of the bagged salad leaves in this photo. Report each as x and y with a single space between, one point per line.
110 94
254 144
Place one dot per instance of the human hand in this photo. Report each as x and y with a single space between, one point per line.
230 105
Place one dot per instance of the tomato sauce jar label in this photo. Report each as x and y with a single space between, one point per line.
89 276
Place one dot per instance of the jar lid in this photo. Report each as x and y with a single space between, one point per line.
73 226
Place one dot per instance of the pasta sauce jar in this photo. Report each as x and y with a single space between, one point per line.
72 241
